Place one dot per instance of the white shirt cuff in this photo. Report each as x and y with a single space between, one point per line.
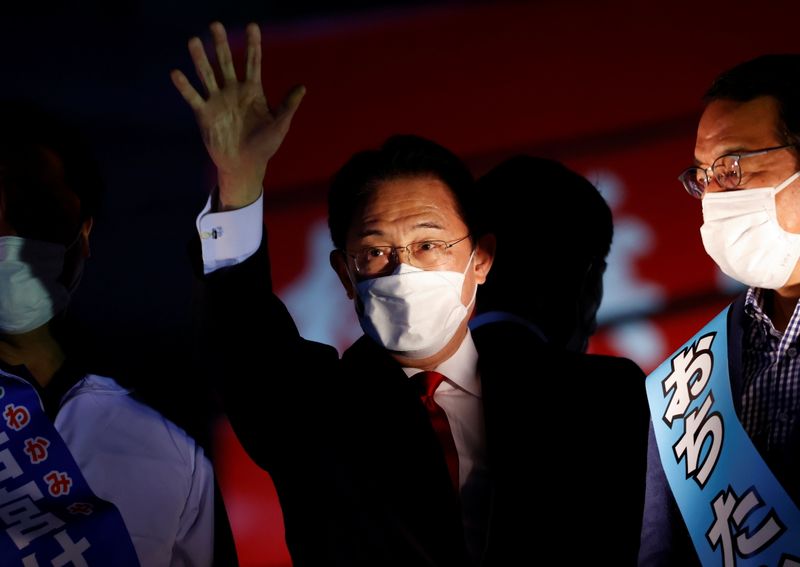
229 237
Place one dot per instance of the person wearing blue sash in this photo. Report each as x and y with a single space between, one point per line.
540 302
723 479
88 475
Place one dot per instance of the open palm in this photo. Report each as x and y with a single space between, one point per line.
240 131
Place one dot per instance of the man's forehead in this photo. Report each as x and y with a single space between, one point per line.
420 191
728 126
415 196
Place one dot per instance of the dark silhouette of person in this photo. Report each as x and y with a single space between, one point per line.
553 232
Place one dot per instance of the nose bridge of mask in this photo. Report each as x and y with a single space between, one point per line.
18 249
454 279
406 268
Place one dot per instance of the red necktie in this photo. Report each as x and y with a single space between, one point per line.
426 384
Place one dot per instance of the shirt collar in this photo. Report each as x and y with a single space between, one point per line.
61 383
754 307
753 301
461 369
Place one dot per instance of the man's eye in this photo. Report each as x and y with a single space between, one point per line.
375 252
426 246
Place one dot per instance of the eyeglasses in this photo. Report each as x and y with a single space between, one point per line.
380 260
725 170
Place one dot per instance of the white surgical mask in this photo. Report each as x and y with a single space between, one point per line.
413 312
30 291
741 233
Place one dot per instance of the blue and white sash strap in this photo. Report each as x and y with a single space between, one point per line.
48 513
736 511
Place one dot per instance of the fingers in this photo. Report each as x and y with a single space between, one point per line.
187 91
290 104
223 50
202 66
253 71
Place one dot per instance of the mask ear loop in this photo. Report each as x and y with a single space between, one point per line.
786 183
475 287
71 280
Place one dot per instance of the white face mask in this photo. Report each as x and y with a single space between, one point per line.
30 291
741 233
413 312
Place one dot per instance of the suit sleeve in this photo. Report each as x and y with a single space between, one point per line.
271 381
665 540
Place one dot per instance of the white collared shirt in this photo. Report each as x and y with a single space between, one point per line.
149 468
229 237
460 396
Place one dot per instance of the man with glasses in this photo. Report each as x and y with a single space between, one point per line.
380 457
701 502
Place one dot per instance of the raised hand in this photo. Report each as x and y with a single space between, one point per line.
238 127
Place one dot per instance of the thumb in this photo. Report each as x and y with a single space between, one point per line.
290 104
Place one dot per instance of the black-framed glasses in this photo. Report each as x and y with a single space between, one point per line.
725 170
380 260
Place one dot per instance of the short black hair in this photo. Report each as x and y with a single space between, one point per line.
775 75
400 156
27 133
550 223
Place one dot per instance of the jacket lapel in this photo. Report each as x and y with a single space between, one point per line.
736 329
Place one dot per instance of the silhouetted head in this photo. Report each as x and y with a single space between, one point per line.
49 182
553 232
49 193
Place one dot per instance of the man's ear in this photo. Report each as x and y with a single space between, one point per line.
85 229
339 264
484 256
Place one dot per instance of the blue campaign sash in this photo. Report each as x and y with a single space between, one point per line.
736 511
48 513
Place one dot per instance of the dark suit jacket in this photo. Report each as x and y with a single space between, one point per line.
665 539
360 474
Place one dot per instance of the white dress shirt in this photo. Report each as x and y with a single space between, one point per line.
229 237
151 470
459 395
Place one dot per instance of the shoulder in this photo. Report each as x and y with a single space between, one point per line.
505 338
133 457
99 411
624 368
